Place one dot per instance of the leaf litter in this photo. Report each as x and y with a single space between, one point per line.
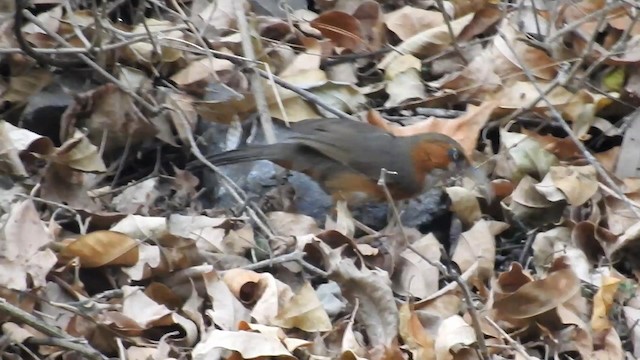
111 245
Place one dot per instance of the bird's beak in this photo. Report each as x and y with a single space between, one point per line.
481 180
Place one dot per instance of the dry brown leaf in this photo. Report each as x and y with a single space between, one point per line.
611 347
539 296
249 344
454 335
529 206
145 52
343 29
562 148
404 81
602 304
221 14
557 242
227 311
102 248
140 308
576 184
428 42
309 60
288 224
523 155
619 216
419 341
464 204
377 312
23 86
150 261
413 276
107 108
521 55
477 244
23 248
202 70
369 14
462 129
16 333
244 285
304 311
408 21
142 227
609 159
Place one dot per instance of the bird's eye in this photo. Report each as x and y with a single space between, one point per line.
454 155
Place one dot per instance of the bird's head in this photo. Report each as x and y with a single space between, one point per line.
438 151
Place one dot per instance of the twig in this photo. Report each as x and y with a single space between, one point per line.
296 256
447 21
447 272
254 77
516 345
235 191
527 245
149 107
125 155
587 17
64 340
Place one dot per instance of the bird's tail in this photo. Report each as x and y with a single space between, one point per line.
250 153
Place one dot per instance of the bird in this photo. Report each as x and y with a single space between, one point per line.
346 157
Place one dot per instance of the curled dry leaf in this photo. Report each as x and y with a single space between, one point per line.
141 309
454 335
78 153
268 295
149 262
227 310
102 248
538 296
244 285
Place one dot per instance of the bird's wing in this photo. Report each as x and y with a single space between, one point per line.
364 152
334 125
